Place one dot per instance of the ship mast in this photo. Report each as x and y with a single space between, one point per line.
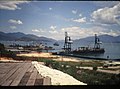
97 42
67 43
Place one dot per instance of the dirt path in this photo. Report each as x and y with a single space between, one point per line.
106 71
109 71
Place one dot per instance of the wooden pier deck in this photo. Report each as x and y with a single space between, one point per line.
21 74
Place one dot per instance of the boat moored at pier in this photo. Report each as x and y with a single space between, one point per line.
90 50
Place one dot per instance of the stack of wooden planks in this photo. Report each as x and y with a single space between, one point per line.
21 74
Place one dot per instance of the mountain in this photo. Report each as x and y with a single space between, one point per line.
4 36
103 38
118 38
46 39
18 36
25 39
28 37
109 39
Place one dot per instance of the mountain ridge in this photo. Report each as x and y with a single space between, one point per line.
19 36
103 38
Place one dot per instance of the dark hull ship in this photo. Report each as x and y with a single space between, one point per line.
88 50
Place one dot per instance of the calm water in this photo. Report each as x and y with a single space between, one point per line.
111 49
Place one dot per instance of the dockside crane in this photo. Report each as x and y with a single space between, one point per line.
67 43
97 42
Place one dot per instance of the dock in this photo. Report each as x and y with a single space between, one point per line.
21 74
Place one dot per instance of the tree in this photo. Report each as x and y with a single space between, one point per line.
2 47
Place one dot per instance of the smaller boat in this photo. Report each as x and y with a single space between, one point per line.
56 44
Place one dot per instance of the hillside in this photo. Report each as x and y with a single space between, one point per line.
103 38
18 36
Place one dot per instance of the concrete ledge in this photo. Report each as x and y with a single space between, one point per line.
47 81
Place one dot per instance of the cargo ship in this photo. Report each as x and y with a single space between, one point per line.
88 50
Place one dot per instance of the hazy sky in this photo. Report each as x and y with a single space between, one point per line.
52 18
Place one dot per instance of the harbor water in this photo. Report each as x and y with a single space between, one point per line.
112 50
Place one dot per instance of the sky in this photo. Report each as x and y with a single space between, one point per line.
53 18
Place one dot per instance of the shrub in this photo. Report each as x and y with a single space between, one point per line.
118 75
48 62
55 65
5 53
94 68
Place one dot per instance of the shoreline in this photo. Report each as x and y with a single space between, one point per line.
57 57
66 58
88 58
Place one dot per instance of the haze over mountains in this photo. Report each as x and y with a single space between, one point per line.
18 36
103 38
